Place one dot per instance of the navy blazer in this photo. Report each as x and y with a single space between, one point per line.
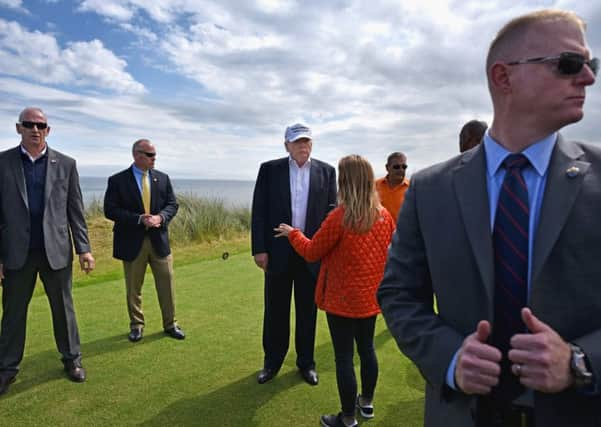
123 205
272 206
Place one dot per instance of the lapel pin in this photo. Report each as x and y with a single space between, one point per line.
572 172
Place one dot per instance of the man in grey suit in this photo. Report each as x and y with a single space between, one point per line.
511 249
41 218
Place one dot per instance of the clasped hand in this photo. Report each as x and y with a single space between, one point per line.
152 221
541 359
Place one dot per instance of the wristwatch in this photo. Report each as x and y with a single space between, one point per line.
582 376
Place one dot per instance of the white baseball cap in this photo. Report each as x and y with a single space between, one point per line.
296 132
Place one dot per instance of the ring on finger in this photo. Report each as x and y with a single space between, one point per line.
518 370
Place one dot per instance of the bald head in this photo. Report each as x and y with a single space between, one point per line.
512 41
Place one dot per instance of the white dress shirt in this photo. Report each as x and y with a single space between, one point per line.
299 192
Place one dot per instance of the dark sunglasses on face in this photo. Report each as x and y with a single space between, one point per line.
568 63
147 154
30 125
397 167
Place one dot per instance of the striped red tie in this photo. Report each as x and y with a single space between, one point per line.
510 242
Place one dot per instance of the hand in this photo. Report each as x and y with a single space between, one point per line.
541 358
261 260
478 369
152 221
86 262
283 230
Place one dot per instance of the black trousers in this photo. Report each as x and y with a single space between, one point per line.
345 332
276 319
17 290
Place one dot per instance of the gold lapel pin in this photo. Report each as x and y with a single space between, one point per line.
572 171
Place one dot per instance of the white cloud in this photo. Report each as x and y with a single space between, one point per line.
368 77
80 63
12 4
110 9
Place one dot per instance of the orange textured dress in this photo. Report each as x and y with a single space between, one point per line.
352 264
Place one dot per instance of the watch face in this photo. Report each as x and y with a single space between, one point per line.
582 376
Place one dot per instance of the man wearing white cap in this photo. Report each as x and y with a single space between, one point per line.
297 190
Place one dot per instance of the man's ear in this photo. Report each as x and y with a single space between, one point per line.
500 77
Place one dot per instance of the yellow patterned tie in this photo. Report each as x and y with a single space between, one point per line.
146 192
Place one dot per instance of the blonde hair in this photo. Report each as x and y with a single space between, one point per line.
357 193
512 34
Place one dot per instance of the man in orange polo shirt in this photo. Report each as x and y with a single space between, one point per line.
393 186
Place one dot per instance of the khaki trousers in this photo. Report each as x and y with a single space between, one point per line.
162 271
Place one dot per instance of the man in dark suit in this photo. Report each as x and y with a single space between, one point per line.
508 237
41 218
297 190
141 202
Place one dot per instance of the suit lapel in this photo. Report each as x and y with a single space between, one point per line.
154 192
285 187
315 187
52 166
559 196
469 180
133 189
19 174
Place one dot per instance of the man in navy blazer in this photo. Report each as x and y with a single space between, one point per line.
141 202
297 190
41 220
515 339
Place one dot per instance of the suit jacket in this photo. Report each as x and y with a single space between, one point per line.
123 205
63 219
443 246
272 206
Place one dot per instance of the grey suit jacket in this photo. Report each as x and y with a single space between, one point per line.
63 221
443 246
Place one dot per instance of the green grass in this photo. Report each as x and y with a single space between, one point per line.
206 380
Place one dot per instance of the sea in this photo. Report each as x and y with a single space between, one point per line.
232 193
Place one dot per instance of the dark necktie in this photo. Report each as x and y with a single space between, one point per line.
510 242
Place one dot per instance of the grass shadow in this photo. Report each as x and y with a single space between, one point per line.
46 366
233 404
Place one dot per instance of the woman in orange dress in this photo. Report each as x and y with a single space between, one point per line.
352 244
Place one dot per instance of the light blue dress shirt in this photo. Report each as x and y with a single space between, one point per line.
535 175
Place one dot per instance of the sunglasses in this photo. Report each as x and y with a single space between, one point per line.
30 125
147 154
397 167
568 63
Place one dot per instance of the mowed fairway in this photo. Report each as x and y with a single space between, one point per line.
206 380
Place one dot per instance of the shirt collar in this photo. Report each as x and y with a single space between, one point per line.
405 181
138 170
539 154
292 162
33 159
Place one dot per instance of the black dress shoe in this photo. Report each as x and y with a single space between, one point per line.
5 383
265 375
310 376
176 333
75 372
135 334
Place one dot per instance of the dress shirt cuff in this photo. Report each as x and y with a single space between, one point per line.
451 372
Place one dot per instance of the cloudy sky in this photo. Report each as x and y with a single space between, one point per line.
214 83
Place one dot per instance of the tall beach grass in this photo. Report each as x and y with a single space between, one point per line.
198 219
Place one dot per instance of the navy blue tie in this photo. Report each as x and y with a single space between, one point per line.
510 243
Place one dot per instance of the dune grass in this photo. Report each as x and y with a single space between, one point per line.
206 380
